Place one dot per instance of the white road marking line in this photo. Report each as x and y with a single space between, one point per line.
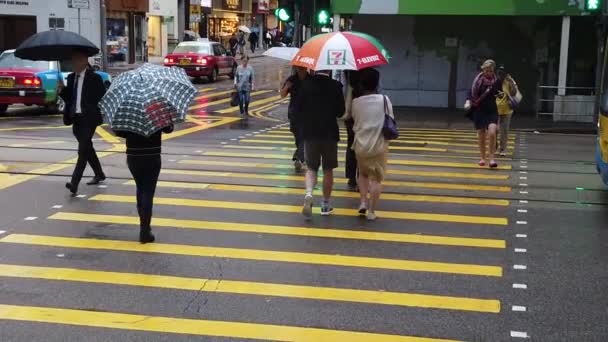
247 135
521 250
172 160
520 267
199 151
2 232
519 334
521 236
30 218
524 166
58 206
523 172
520 286
81 196
523 192
224 143
523 184
60 255
518 308
523 201
234 139
524 160
523 178
523 211
521 222
102 186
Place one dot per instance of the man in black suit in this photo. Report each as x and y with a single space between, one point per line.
82 95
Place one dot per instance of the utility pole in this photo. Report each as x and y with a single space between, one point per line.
104 34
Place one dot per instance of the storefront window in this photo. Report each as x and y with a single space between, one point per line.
154 36
118 40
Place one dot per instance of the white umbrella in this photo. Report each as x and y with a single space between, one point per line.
244 29
287 53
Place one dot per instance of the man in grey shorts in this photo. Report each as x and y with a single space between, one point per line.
322 103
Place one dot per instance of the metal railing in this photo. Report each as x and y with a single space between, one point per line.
578 103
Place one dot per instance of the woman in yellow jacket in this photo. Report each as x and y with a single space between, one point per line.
504 102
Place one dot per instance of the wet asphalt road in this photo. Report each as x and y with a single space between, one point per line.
459 252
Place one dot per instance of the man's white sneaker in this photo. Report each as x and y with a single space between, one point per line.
307 208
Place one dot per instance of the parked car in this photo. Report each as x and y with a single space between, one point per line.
202 58
30 83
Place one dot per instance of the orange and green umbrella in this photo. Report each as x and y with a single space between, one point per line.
341 51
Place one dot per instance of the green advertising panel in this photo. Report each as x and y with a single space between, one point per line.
460 7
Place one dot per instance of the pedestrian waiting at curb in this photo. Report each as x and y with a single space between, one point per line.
243 81
322 103
482 104
370 146
506 102
144 162
292 87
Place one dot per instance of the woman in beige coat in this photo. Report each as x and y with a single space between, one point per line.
371 148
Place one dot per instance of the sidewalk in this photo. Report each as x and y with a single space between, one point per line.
409 117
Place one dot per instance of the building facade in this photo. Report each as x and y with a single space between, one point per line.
126 30
162 28
226 16
20 19
436 50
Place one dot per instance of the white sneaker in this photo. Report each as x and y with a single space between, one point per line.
307 207
362 209
371 217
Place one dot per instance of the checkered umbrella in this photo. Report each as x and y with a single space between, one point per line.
147 99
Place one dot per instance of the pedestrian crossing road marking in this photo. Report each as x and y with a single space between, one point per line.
253 288
286 230
269 207
284 190
219 93
443 186
412 140
257 255
402 135
391 161
389 171
251 104
284 142
226 100
166 325
438 132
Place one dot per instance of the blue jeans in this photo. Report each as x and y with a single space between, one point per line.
244 98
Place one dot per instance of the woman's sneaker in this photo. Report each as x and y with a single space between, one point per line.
371 217
362 209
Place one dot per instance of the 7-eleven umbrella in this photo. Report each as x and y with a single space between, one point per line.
341 51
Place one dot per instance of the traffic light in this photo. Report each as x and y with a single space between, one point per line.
323 17
593 5
285 10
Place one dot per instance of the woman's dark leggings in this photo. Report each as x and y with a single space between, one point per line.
145 171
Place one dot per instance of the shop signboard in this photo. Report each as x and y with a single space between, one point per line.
263 6
461 7
232 5
80 4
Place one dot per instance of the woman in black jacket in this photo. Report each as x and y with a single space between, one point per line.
144 162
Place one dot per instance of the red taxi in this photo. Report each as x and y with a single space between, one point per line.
202 58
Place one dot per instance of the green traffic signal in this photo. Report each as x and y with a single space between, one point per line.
282 14
592 5
323 17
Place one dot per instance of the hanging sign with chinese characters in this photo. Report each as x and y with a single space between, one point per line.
232 5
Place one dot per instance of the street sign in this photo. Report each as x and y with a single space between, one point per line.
80 4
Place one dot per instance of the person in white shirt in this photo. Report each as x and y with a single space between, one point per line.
370 146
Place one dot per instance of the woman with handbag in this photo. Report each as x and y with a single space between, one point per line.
482 104
506 102
369 112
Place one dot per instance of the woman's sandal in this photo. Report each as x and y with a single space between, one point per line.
482 163
493 164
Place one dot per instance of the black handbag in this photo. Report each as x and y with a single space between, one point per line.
389 129
234 98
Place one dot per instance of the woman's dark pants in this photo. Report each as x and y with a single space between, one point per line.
351 159
145 171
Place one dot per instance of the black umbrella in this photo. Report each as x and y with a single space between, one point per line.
54 45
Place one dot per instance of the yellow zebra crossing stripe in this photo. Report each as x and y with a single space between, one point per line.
256 255
252 288
427 185
390 161
283 190
251 104
226 100
265 332
283 142
389 171
286 230
269 207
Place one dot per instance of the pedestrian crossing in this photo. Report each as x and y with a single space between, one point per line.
234 259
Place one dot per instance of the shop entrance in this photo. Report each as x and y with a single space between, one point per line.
15 29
